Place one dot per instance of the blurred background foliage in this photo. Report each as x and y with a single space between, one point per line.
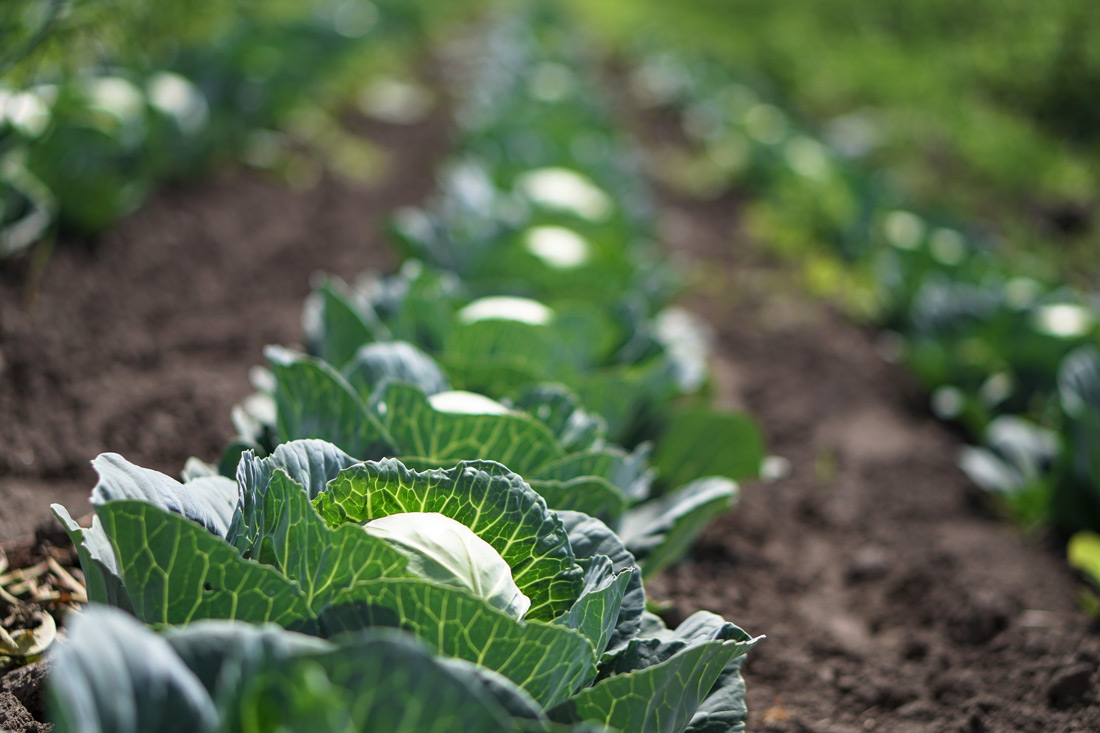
101 100
988 109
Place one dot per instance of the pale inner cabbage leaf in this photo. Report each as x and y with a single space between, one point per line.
444 550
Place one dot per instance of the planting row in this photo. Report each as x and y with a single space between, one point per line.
1013 357
440 513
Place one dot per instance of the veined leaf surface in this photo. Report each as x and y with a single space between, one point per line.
176 572
485 496
550 661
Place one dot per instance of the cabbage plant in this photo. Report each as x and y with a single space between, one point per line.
290 543
624 361
545 435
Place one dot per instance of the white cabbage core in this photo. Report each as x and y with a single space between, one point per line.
566 190
459 402
507 308
557 246
439 548
1064 320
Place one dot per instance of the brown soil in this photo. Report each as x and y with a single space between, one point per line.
892 601
891 598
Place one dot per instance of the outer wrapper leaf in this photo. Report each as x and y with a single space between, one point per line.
724 709
596 612
627 472
116 676
221 654
396 361
97 560
547 660
427 437
442 439
561 411
208 501
335 327
660 531
658 699
657 685
375 682
176 572
312 463
588 494
590 538
497 357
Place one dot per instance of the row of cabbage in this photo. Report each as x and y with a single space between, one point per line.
92 118
431 511
1012 357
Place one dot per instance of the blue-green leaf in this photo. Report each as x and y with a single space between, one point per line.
116 676
287 533
97 560
396 361
443 438
560 410
591 538
208 501
381 680
596 612
657 685
312 463
660 531
336 326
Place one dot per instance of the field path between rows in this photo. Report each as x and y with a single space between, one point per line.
891 597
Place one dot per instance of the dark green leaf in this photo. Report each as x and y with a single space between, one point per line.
312 463
596 612
723 710
97 561
589 494
591 538
656 685
560 410
417 429
287 533
116 676
377 681
342 327
223 653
